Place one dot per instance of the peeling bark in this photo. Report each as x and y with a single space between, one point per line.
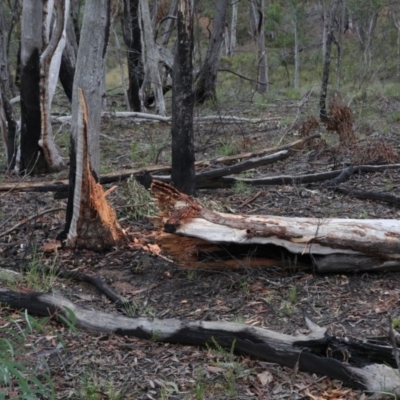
362 244
91 222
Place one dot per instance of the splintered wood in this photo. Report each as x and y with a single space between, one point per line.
213 239
94 222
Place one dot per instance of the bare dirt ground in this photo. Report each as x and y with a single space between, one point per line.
91 366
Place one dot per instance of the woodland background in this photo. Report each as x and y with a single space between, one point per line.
289 70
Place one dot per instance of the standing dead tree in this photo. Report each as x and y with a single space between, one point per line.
327 45
133 42
206 81
93 223
40 55
8 126
257 19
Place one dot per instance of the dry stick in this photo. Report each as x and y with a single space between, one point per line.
26 220
299 108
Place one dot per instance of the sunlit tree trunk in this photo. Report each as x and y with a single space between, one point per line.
207 79
183 172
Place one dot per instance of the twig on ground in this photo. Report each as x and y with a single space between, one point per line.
26 220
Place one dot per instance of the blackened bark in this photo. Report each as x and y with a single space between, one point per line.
207 78
132 39
327 61
32 158
183 172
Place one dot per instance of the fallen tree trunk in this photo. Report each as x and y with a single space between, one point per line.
226 119
359 364
358 244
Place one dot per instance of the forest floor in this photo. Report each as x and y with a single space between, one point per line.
84 365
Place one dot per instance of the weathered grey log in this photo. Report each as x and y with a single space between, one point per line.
357 363
360 244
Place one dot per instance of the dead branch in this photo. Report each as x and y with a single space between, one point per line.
358 363
226 119
31 218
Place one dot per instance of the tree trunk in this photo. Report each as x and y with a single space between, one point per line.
68 60
169 23
50 61
8 126
329 22
232 41
152 80
296 80
207 78
92 222
342 23
39 72
183 172
257 11
133 42
89 73
32 158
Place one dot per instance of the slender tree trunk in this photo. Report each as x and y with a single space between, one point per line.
183 172
89 73
340 43
169 23
50 61
68 60
330 16
296 81
40 62
133 42
232 41
152 78
8 125
257 11
207 79
31 156
90 66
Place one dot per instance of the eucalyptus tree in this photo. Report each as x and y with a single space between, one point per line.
257 20
42 44
8 124
84 225
183 172
206 81
329 21
133 41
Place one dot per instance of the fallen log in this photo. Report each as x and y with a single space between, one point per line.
357 363
226 119
359 244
